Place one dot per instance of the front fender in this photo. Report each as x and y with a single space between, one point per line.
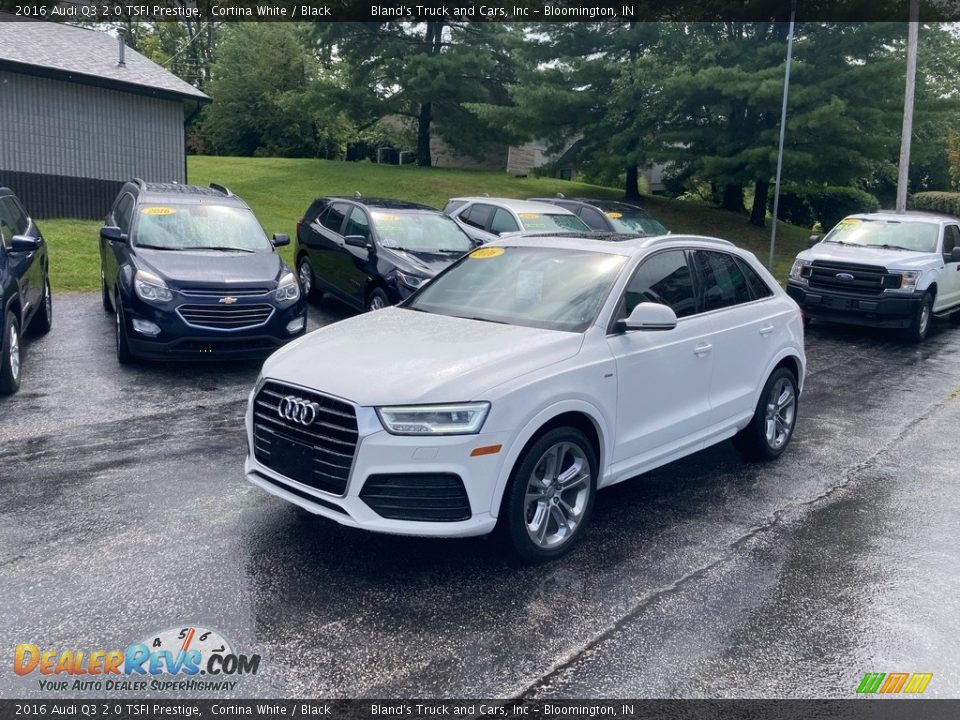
532 426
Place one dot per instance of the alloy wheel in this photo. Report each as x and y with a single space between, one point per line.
14 352
557 493
306 277
781 413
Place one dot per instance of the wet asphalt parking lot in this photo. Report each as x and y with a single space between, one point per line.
123 510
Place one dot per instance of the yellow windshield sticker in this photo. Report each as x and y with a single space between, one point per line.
484 253
529 216
614 215
157 211
849 221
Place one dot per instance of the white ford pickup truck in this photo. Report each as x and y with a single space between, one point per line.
891 270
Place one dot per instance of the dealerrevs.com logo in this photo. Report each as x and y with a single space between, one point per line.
177 659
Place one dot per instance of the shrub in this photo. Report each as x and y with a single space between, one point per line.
831 204
793 207
941 202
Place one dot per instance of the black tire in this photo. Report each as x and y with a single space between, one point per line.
922 318
955 318
105 295
377 300
43 319
10 362
124 356
759 442
519 513
308 281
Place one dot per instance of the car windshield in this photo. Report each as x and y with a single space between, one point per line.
635 221
199 226
420 232
551 221
551 288
920 236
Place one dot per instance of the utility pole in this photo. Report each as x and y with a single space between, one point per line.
783 129
903 174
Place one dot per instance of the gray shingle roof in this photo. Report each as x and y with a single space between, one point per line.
85 56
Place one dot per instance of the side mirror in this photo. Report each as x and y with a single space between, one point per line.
358 241
651 316
112 233
23 243
954 255
280 239
813 240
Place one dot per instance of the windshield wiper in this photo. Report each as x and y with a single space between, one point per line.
220 248
154 247
895 247
481 319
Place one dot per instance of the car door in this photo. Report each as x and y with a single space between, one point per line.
16 222
663 377
950 282
17 262
355 271
114 254
327 247
749 327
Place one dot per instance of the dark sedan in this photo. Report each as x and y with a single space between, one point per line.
610 215
372 252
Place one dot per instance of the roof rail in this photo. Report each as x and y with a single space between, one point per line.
663 239
222 188
139 182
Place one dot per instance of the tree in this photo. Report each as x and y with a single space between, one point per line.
260 83
430 72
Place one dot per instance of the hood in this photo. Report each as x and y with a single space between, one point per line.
890 259
426 264
197 268
397 357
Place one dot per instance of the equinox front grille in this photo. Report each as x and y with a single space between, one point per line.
223 292
319 454
225 317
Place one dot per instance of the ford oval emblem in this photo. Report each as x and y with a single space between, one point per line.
844 276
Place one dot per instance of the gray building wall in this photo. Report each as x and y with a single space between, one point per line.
63 138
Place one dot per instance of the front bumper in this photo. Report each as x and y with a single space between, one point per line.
378 454
181 340
883 311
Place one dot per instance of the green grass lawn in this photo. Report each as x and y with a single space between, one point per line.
279 190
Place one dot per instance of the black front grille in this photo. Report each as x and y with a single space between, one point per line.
224 292
225 317
320 454
223 345
865 280
425 497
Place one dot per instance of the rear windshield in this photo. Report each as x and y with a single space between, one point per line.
916 235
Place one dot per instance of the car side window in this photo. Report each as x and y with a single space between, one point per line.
6 226
722 282
16 217
758 287
124 213
358 224
332 219
593 219
951 238
477 215
664 278
503 222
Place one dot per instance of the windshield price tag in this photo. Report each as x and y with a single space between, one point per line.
484 253
157 211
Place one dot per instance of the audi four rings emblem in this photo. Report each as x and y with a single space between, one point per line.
297 410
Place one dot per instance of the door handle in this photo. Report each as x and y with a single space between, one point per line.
766 330
702 349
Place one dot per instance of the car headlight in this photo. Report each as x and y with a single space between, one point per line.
797 271
288 290
413 282
908 280
459 419
151 288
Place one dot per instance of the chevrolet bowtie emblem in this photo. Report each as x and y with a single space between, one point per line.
228 300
